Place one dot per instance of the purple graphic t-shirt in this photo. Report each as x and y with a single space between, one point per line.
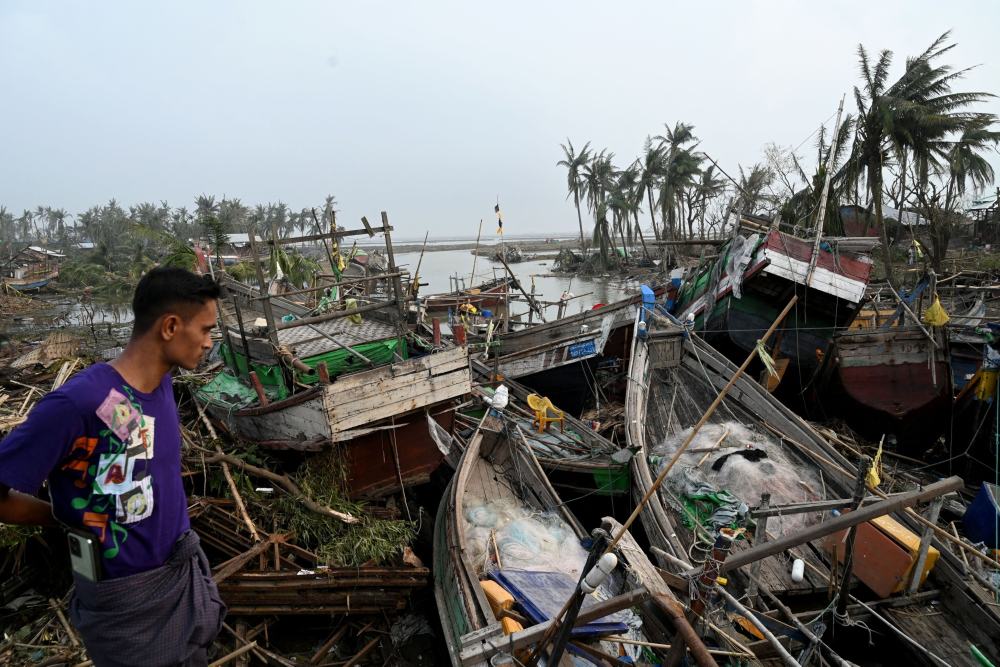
112 455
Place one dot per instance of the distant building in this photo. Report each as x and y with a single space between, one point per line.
32 268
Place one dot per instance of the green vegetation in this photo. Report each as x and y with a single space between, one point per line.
323 478
915 142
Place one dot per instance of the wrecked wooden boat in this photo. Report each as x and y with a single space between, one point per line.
894 382
973 438
505 550
490 295
575 458
351 377
559 358
31 269
734 297
758 471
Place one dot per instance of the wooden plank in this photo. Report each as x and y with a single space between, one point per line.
455 385
382 386
445 358
327 235
340 405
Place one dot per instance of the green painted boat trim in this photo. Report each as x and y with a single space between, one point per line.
338 362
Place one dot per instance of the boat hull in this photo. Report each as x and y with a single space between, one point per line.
733 311
376 416
886 384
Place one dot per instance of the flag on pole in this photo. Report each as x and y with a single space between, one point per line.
499 219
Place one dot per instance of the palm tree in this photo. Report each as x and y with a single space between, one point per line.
205 206
25 224
7 228
57 218
752 188
707 187
905 118
964 164
574 163
677 173
598 178
329 212
649 174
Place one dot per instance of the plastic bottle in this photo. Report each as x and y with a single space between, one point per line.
798 570
500 398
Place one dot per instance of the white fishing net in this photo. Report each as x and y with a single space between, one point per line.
524 539
748 464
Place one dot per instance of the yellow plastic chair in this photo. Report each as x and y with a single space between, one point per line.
543 409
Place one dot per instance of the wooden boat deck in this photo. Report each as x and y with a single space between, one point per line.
307 342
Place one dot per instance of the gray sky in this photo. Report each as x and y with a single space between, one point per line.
429 110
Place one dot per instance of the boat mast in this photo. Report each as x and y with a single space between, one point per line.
824 197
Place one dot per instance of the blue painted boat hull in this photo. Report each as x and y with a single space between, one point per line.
983 516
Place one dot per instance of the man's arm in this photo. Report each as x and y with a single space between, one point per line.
21 509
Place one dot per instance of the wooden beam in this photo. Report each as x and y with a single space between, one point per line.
841 522
234 565
318 237
381 305
815 506
690 241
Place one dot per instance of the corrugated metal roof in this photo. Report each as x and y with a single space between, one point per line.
45 251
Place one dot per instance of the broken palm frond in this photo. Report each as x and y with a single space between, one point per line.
766 359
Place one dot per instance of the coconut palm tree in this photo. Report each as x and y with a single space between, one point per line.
649 175
329 212
707 187
574 163
598 177
205 206
903 119
678 171
964 164
25 224
7 227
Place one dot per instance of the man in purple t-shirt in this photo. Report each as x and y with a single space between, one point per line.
108 442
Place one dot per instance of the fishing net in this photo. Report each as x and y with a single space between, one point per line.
730 462
524 539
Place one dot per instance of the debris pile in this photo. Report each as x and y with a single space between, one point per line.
282 537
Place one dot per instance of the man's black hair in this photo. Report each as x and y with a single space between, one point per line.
169 290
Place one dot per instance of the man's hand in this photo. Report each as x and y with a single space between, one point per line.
24 510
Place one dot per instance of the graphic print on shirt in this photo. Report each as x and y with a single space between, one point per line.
120 488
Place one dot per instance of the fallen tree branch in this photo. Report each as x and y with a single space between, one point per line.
284 481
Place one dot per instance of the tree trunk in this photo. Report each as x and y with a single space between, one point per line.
875 185
652 209
621 232
579 218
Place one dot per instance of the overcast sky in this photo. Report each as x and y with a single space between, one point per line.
428 110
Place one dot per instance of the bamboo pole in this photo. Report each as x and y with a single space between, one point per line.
246 648
475 256
824 197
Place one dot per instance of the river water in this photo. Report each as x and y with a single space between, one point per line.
436 269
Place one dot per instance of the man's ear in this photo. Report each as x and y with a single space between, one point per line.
170 324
